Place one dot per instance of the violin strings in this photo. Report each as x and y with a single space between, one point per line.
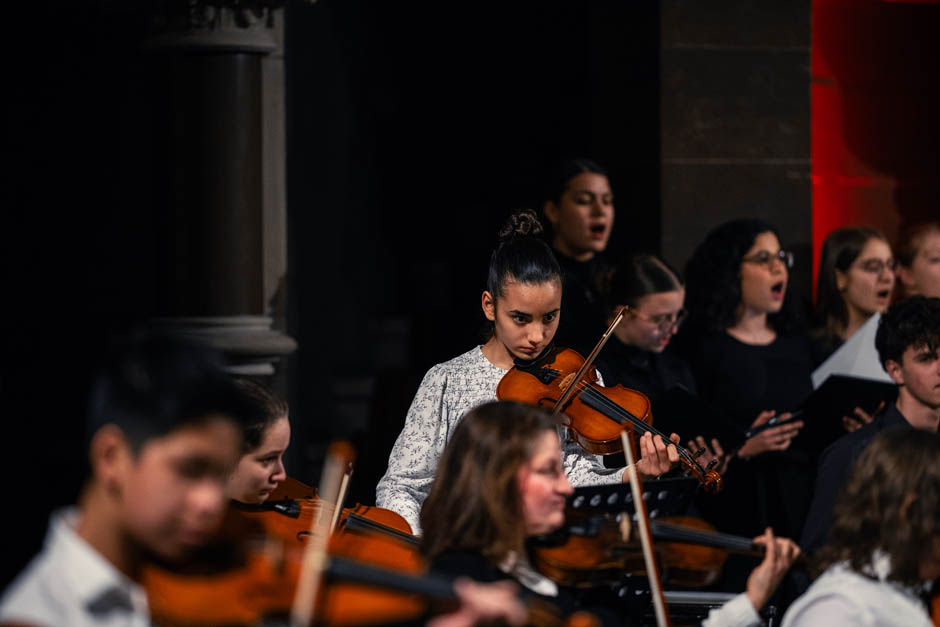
627 416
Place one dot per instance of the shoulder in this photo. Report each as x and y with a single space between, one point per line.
843 597
37 596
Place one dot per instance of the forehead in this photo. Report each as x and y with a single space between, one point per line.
534 298
589 181
277 435
875 248
546 446
764 241
216 438
930 242
662 301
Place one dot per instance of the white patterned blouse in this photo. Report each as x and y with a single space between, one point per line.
447 392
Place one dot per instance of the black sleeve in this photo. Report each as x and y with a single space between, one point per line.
834 466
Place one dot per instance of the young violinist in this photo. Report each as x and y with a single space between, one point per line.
501 481
908 344
165 430
522 301
883 552
750 363
579 206
260 468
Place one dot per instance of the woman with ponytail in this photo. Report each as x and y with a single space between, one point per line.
522 302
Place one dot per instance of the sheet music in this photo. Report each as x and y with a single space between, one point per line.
856 358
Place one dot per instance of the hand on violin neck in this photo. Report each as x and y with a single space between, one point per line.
713 457
773 439
655 457
779 556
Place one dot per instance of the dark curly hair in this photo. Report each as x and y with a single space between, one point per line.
914 322
713 278
890 503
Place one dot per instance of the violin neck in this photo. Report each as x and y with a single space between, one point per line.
355 522
669 532
427 586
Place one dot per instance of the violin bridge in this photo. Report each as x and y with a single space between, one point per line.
565 383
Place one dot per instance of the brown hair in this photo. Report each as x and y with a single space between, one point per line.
265 408
890 503
839 251
474 504
911 239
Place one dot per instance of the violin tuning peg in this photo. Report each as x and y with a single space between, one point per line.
712 464
699 453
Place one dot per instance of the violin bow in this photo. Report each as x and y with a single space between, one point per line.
335 470
646 540
588 362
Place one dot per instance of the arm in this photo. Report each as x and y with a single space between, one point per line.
830 477
413 460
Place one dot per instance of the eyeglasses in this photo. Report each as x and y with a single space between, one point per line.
765 258
663 322
877 266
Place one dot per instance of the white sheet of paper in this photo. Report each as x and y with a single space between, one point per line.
856 358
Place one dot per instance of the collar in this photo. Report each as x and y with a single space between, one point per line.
93 580
528 576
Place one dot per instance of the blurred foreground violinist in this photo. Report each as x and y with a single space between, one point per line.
883 553
501 481
165 429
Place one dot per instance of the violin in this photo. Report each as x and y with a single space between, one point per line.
595 415
690 552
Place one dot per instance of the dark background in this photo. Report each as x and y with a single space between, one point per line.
413 130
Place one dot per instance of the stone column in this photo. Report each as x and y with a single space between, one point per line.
224 256
735 122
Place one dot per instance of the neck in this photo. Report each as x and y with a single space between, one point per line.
857 318
497 354
920 416
751 327
559 245
98 526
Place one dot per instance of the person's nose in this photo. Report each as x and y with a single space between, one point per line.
564 486
536 334
279 474
207 499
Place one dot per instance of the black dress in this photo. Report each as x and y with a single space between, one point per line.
583 318
742 380
453 564
665 378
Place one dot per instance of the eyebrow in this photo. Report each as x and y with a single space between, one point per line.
526 313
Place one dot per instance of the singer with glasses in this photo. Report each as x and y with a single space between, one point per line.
638 355
856 280
750 363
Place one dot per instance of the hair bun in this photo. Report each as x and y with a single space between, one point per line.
522 223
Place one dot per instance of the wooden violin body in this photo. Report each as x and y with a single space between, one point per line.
250 573
689 550
595 415
545 383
